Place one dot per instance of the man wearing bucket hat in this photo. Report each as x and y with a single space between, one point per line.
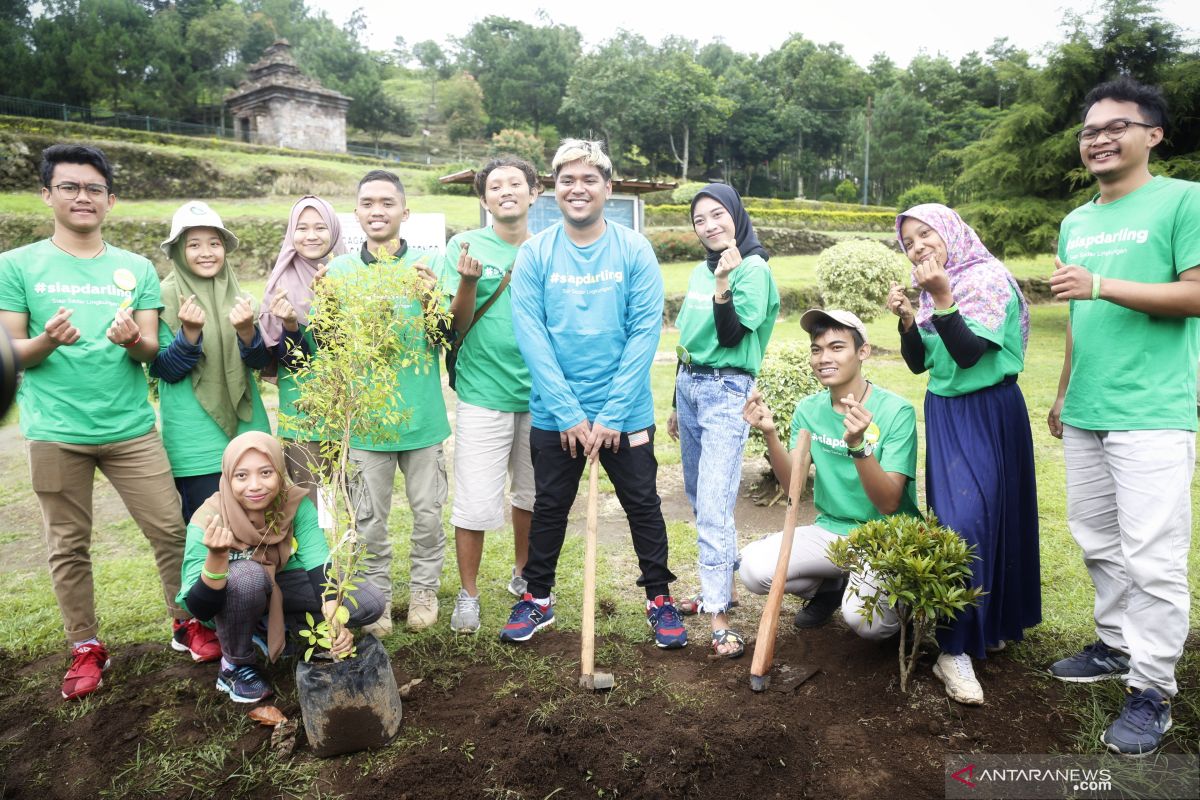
83 316
864 448
206 402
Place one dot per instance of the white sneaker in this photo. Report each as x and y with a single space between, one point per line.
422 609
959 676
465 618
383 626
517 586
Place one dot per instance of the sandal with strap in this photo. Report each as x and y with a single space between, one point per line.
725 637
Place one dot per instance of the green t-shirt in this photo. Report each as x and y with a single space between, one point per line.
418 388
1130 370
948 379
194 441
289 390
309 548
756 301
90 392
841 501
490 371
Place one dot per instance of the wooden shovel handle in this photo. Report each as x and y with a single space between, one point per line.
587 657
764 643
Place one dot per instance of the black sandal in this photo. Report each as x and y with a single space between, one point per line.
726 637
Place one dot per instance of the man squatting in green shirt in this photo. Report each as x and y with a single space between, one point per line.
1129 263
864 448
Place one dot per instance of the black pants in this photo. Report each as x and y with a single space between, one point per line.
194 490
633 472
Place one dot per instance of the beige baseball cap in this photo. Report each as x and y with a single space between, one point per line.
844 319
197 214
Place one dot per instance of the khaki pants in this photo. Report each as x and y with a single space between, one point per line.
62 476
425 486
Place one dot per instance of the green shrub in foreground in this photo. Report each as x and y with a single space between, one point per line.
918 567
856 275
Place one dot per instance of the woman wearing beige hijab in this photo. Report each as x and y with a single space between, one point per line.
255 548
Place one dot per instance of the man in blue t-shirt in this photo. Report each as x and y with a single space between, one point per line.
587 301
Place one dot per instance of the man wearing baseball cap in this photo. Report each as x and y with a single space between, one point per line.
864 448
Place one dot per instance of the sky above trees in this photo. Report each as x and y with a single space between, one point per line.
950 27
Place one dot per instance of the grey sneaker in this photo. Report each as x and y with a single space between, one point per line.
1139 729
1096 662
465 618
518 585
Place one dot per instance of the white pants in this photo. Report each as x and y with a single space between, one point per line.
1129 508
489 446
808 567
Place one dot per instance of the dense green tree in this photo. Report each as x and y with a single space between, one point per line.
462 107
523 69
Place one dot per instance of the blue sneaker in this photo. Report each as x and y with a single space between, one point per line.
1096 662
1139 729
666 623
244 683
526 619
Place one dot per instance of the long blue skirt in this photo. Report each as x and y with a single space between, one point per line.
979 480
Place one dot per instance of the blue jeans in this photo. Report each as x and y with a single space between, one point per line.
712 435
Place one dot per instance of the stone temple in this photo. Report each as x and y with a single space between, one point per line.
278 105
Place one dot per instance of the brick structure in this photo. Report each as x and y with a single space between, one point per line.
279 105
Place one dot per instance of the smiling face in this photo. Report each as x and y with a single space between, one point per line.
204 251
82 213
581 191
255 482
1111 160
921 241
714 225
507 194
834 358
312 238
380 210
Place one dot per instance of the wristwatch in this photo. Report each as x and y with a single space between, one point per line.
864 451
726 295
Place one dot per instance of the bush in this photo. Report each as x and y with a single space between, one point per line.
520 144
784 379
846 191
1020 226
682 196
919 567
921 193
675 244
435 186
856 275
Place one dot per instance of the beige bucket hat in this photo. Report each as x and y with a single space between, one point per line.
197 214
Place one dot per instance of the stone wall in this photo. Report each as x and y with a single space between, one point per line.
300 125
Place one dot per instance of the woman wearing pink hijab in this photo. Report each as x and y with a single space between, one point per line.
314 236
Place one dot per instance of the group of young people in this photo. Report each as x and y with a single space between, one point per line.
554 337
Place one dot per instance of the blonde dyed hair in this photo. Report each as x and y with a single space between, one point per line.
588 151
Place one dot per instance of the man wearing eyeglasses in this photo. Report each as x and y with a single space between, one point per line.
1129 263
83 317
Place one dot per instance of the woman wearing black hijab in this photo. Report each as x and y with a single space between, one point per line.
724 325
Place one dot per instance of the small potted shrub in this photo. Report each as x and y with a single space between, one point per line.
365 329
919 567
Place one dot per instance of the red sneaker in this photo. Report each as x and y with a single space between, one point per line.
88 662
190 636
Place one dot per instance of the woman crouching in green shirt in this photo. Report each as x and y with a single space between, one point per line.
724 325
255 548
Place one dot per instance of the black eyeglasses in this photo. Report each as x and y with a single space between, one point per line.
69 191
1113 130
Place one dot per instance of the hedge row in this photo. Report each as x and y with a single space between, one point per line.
789 218
259 239
681 244
79 131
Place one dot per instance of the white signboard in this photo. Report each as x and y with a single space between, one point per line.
423 232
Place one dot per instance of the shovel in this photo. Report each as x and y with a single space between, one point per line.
589 679
764 642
